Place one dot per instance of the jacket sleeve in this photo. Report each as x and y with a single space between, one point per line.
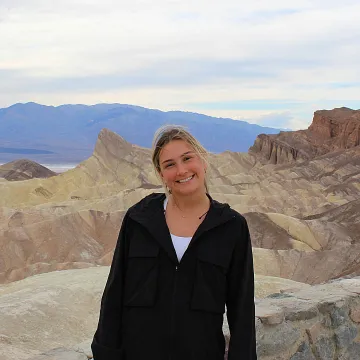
106 344
240 299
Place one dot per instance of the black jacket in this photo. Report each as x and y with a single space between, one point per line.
157 308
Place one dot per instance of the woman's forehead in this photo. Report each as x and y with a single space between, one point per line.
176 148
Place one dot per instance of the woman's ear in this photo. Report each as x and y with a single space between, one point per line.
205 167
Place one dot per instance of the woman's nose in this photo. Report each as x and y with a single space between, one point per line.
181 169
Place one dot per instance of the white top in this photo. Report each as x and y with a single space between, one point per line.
180 242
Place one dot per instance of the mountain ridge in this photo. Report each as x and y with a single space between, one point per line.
70 131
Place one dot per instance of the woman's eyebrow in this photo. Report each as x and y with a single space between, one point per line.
185 153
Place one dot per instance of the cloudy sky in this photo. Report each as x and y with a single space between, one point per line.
269 62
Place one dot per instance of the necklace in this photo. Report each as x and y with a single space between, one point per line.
183 216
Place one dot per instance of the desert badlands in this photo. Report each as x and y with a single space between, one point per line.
299 191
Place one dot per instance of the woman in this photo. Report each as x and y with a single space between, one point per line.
179 259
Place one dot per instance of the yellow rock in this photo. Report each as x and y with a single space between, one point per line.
297 230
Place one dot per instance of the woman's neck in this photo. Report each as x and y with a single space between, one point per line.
191 203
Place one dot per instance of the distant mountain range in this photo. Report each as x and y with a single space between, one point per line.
68 133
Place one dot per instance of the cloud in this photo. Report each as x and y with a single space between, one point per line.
220 58
283 120
258 104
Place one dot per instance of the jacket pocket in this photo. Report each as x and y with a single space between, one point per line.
209 292
141 276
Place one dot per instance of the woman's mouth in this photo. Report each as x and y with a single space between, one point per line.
185 180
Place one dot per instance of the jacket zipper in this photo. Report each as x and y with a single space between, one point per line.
172 312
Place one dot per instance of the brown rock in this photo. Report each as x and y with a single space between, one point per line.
330 130
336 129
355 314
314 332
269 315
277 149
24 169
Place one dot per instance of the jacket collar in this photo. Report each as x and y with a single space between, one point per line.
150 213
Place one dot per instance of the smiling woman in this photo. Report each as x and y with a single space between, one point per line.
179 259
181 163
176 154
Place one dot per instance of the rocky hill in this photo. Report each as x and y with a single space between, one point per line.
330 130
24 169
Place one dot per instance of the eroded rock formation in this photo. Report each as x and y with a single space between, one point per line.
330 130
72 220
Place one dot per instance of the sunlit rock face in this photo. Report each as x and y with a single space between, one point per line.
57 309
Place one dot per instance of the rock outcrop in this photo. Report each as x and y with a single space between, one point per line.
293 322
283 148
335 129
71 299
330 130
58 309
24 169
318 323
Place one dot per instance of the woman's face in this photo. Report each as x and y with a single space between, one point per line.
181 168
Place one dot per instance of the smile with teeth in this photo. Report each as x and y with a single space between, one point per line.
186 180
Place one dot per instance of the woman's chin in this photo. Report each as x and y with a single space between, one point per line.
186 190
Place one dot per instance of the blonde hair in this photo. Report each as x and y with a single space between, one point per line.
168 133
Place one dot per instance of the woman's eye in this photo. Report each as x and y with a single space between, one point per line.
187 158
168 165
